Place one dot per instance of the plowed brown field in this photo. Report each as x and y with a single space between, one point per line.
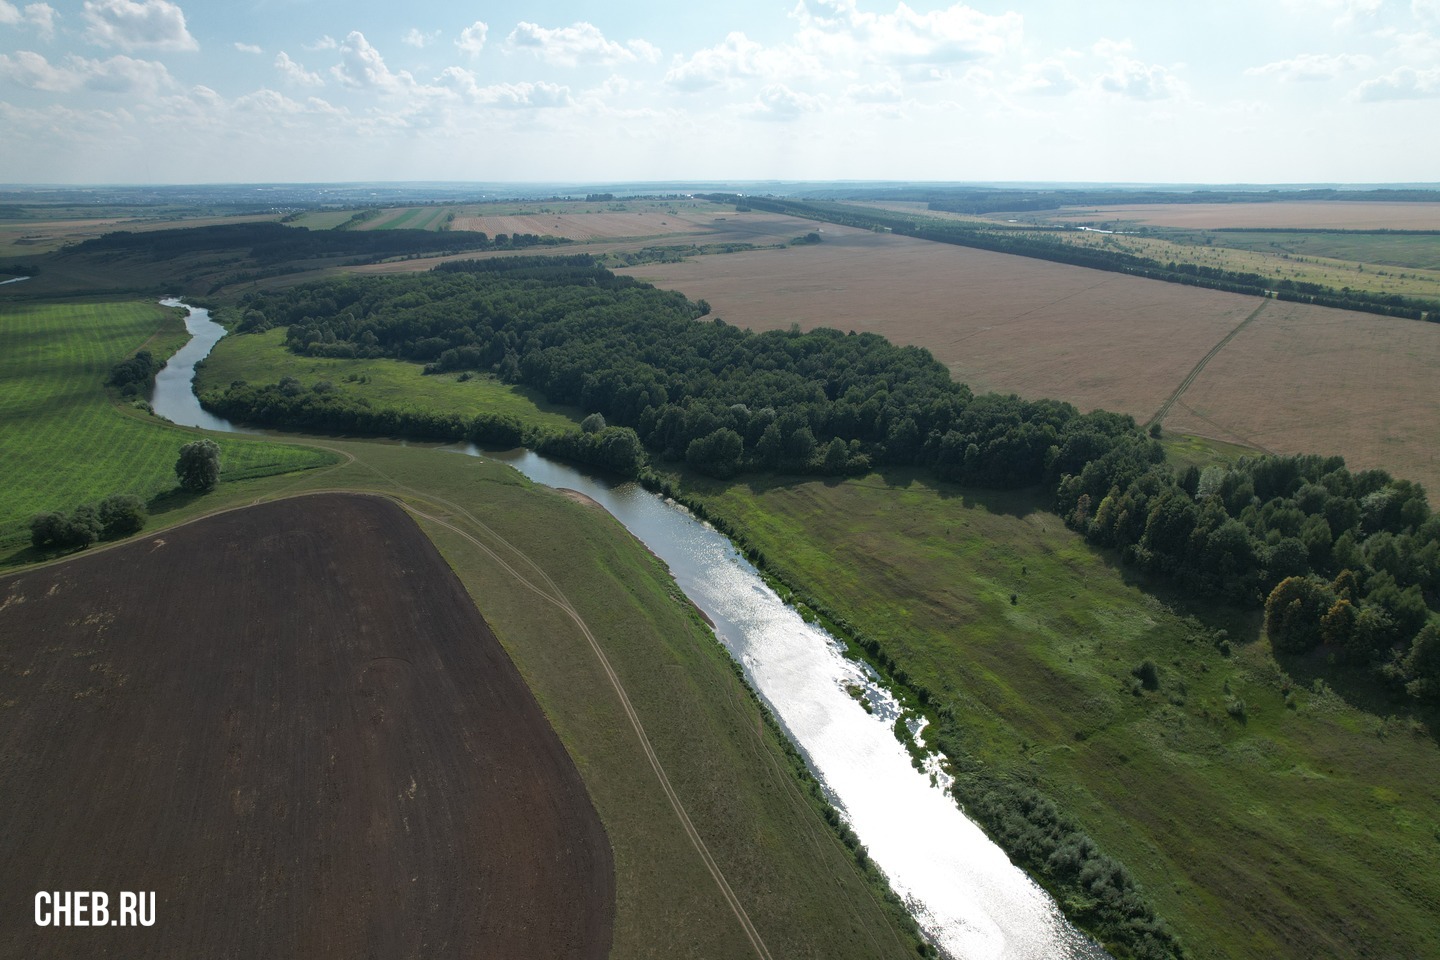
291 724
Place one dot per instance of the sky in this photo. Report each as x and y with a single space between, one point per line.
1142 91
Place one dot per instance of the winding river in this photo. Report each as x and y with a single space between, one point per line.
962 889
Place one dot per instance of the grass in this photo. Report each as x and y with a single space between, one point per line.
64 441
796 880
1306 826
1184 450
262 358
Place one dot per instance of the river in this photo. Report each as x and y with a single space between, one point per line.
962 889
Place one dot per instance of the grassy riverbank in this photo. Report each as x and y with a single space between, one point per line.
383 382
1263 813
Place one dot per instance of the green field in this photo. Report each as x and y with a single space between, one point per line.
410 218
321 219
64 441
1308 828
1420 251
262 358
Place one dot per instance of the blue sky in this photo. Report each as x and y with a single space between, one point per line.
1224 91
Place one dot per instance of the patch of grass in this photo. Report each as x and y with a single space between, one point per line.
1185 450
65 442
262 358
1242 855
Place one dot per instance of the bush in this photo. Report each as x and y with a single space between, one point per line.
1148 674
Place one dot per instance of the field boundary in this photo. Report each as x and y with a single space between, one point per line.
1164 411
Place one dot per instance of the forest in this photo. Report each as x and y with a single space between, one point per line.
1347 560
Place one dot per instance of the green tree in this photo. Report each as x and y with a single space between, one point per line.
717 453
198 468
121 514
1294 611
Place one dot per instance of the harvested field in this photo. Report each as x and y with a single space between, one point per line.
710 223
291 723
1315 214
999 322
1304 379
1299 379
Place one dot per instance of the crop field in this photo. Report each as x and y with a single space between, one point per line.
1309 379
63 441
322 219
28 238
1297 379
409 218
262 358
295 764
1318 214
1420 252
999 322
1309 829
650 220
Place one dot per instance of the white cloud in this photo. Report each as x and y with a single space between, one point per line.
362 68
326 42
118 74
1133 78
1047 78
249 48
30 69
1425 10
955 34
1345 13
1402 83
39 16
121 74
1139 81
735 57
511 96
778 102
137 24
295 73
1310 67
472 38
415 38
887 92
580 43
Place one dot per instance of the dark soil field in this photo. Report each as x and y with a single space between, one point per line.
291 723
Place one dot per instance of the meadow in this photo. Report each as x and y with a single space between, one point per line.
65 441
1305 826
262 358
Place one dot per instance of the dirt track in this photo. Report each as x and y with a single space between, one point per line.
290 723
